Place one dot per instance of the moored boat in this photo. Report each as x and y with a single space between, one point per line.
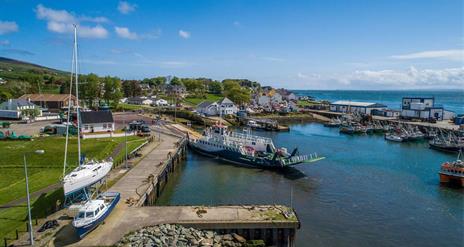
94 212
246 149
393 137
453 171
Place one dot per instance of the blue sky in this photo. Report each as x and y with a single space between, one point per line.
294 44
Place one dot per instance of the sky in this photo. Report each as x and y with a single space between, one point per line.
325 44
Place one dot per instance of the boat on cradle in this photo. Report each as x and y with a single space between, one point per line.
393 137
88 172
85 175
246 149
94 212
453 171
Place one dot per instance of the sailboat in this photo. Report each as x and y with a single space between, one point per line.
88 172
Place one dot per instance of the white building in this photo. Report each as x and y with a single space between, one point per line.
227 107
264 100
18 109
353 106
160 102
139 101
276 98
424 108
223 107
96 121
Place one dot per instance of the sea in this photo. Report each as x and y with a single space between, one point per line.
366 192
451 100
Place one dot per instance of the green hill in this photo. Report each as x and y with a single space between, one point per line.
19 77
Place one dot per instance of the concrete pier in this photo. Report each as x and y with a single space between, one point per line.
142 185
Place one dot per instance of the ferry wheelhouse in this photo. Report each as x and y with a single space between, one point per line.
246 149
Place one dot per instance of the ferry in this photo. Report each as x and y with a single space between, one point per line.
453 171
246 149
94 212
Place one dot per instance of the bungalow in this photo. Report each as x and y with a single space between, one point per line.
52 102
96 121
139 101
353 106
19 109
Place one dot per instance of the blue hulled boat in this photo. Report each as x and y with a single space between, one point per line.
94 212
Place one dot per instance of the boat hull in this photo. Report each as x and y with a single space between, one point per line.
82 231
446 179
76 186
239 159
449 149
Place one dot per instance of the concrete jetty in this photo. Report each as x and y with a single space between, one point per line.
142 185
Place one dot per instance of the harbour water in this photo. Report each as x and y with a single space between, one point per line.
452 100
367 192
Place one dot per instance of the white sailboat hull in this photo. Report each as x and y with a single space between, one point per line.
85 176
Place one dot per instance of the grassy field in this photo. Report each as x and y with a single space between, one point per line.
43 170
197 100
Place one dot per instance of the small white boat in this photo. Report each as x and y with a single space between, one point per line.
393 137
94 212
85 175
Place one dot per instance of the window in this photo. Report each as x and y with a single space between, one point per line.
88 214
81 215
96 211
102 206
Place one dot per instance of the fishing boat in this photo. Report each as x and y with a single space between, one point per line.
333 123
453 171
393 137
451 143
246 149
94 212
88 172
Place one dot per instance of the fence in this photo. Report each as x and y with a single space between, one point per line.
106 135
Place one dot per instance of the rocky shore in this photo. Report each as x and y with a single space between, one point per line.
176 235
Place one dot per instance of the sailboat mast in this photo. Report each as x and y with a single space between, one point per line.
77 96
68 117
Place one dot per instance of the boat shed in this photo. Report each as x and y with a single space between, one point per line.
355 106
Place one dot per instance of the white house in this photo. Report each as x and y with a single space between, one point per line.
96 121
18 108
276 98
160 102
139 101
223 107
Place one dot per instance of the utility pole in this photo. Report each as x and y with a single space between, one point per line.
31 235
125 141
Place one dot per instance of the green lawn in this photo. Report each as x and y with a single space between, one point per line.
43 170
197 100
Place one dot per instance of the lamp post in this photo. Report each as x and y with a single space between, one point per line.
31 235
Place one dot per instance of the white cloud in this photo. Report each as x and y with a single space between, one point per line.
410 78
442 54
125 7
61 21
8 27
124 32
4 42
184 34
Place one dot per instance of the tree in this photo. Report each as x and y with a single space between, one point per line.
112 89
215 87
91 89
131 88
176 81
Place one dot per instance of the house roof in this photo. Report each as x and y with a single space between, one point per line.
205 104
88 117
13 104
356 103
226 100
47 97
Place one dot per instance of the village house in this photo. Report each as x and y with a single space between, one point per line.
19 109
96 121
174 90
139 101
50 102
222 108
